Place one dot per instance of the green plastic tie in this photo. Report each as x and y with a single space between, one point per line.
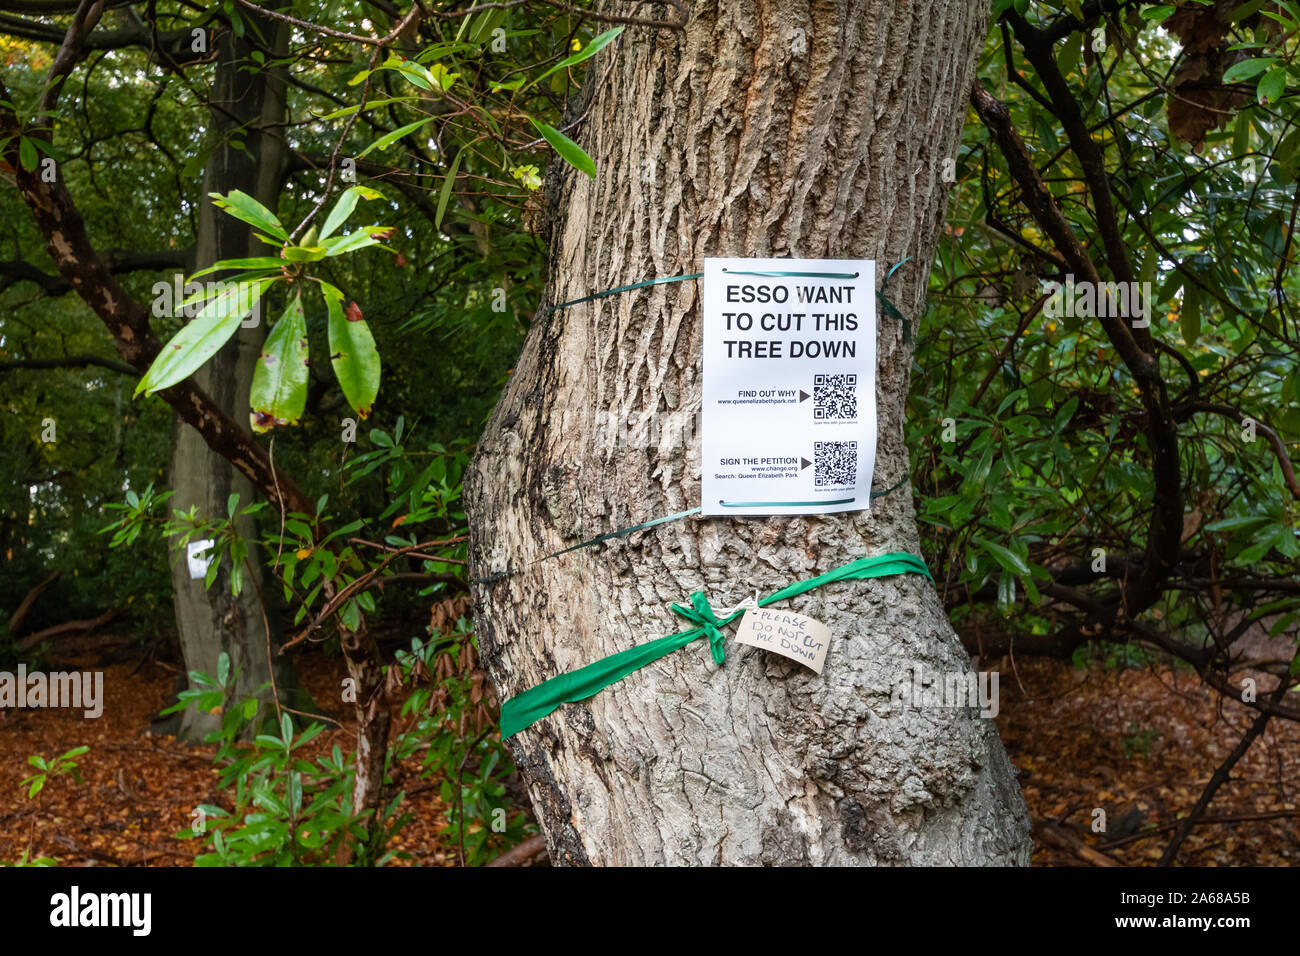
628 288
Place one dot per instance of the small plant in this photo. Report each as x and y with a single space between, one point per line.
57 767
60 766
34 861
283 808
452 719
287 811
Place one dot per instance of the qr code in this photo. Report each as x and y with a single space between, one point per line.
835 397
835 463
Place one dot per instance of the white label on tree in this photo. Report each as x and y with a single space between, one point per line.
796 636
198 556
789 411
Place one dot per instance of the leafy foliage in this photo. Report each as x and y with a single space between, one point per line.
1030 436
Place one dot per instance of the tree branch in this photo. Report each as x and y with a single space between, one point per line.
1164 539
1219 779
83 22
71 361
118 261
176 43
1274 440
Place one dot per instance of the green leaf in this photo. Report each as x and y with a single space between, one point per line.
257 262
1189 316
1007 558
1243 521
1272 86
976 480
570 151
353 354
443 77
1248 68
1170 286
244 207
1245 10
361 239
1064 414
369 105
445 193
590 50
305 253
481 27
279 392
1070 52
350 615
388 139
27 154
421 76
203 336
343 208
1156 13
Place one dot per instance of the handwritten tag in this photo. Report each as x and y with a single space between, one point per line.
796 636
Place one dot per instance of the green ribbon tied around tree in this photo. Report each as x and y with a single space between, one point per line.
537 702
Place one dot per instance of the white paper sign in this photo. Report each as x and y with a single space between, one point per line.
789 415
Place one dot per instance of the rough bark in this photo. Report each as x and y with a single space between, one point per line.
762 129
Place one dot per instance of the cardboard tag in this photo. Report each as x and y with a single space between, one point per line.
796 636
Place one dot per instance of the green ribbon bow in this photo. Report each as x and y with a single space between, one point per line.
537 702
701 613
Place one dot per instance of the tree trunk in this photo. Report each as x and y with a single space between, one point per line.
761 129
213 620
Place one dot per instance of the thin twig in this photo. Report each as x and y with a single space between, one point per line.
1219 779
